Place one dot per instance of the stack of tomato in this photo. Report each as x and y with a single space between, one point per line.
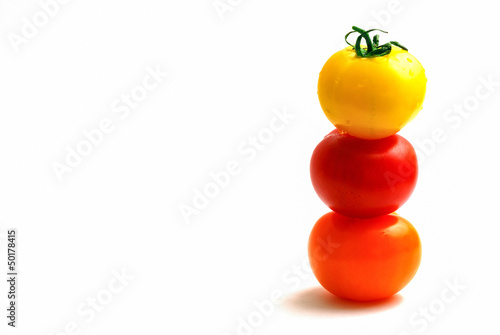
363 171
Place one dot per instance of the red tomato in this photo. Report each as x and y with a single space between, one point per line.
363 178
364 259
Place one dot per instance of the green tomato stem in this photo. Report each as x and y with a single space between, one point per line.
373 49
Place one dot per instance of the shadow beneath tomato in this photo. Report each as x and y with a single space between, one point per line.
318 301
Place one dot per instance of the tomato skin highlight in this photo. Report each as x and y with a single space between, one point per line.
364 259
371 98
363 178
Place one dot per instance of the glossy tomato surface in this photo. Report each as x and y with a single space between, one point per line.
364 259
371 98
363 178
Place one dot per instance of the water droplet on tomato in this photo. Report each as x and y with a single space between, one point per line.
409 60
411 73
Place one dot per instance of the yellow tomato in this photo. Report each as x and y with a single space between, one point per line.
371 97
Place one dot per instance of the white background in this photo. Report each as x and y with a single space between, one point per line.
119 209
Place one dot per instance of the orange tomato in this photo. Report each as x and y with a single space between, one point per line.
364 259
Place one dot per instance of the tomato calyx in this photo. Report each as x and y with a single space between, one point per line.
373 49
